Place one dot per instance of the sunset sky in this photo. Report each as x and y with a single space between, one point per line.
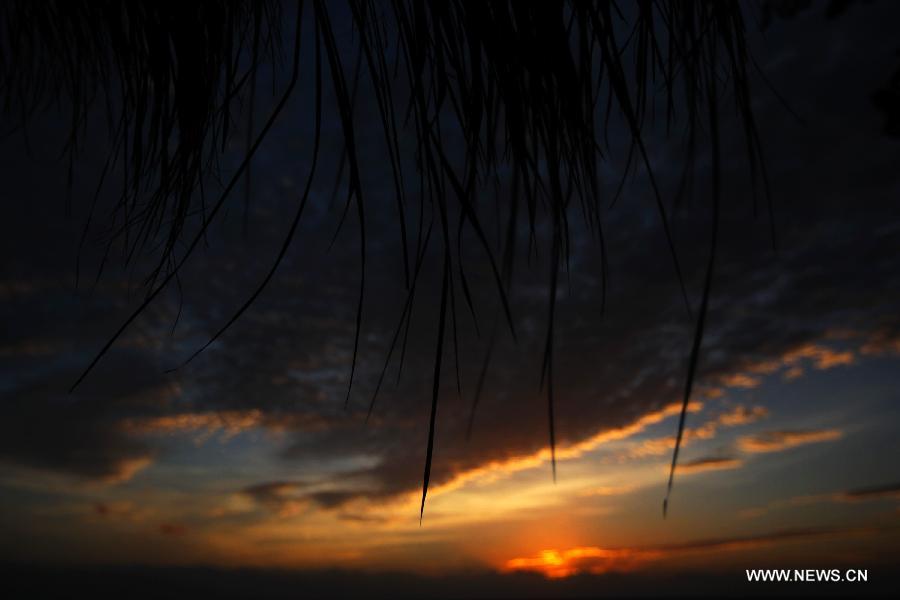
247 457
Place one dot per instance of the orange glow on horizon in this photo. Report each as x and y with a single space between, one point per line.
555 564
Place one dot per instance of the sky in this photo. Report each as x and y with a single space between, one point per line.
248 458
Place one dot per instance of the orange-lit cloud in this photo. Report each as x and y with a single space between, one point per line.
818 356
739 415
793 373
710 464
499 468
124 469
292 498
884 341
765 367
775 441
822 357
227 423
740 380
230 422
608 490
652 447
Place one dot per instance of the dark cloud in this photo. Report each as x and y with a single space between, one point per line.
835 192
890 490
862 494
173 529
277 496
729 543
290 497
43 427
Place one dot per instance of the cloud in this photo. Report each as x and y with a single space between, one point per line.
596 560
123 469
564 452
173 529
72 443
611 371
284 367
821 357
651 447
382 482
737 416
290 498
775 441
608 490
792 360
889 491
229 422
283 498
711 463
79 434
740 380
123 510
762 539
883 341
793 373
742 415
